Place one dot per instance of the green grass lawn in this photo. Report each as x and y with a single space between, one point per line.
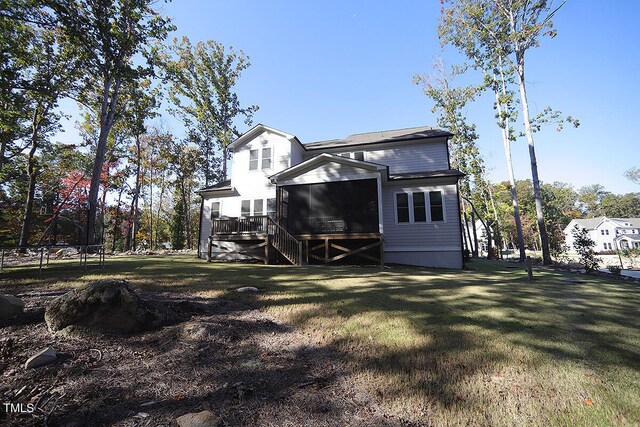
441 347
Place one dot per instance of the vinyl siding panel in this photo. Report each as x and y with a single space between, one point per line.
330 172
416 156
434 236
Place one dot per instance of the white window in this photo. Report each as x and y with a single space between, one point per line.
271 208
258 207
606 232
215 210
266 158
602 232
253 160
261 159
245 208
417 207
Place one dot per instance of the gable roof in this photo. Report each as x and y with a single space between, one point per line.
323 159
593 223
259 129
377 137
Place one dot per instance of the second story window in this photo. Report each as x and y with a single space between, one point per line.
266 158
358 155
261 159
253 160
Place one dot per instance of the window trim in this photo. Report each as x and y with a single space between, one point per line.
241 211
257 159
261 158
219 202
253 207
427 206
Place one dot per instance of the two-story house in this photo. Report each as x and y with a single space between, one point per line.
388 196
609 234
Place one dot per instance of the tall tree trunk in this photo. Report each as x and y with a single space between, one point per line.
107 112
499 242
32 174
507 151
225 154
159 210
476 253
544 239
132 231
151 206
116 222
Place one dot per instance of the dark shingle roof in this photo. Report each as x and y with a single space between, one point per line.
222 185
430 174
380 136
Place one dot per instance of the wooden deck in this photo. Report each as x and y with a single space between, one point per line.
256 233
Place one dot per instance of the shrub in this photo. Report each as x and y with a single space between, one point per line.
584 247
614 269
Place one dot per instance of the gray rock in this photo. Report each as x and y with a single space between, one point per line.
248 290
199 419
10 306
44 357
196 331
108 306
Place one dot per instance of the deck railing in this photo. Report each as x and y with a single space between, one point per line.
250 224
284 242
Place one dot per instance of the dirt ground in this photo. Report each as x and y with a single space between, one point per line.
223 356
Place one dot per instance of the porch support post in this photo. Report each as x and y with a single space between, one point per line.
326 249
266 250
209 245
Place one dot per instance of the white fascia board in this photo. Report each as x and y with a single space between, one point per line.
323 159
257 130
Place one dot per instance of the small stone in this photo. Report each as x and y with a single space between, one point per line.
46 356
199 419
248 289
10 306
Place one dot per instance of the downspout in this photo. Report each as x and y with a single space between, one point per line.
200 223
460 223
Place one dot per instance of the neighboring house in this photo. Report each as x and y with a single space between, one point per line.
387 196
481 235
609 234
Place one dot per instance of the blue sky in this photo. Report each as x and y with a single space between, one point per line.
323 70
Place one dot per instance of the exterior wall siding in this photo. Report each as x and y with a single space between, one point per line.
331 172
434 244
419 156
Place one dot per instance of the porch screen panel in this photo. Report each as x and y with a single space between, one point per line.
334 207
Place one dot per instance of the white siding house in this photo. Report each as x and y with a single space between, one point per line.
609 234
386 196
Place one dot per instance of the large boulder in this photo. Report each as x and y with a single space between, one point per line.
10 306
108 306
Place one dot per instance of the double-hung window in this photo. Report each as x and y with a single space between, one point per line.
253 160
271 208
215 210
245 208
419 207
437 206
258 207
261 159
266 158
402 207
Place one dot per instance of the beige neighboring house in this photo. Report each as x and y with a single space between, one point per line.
610 234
